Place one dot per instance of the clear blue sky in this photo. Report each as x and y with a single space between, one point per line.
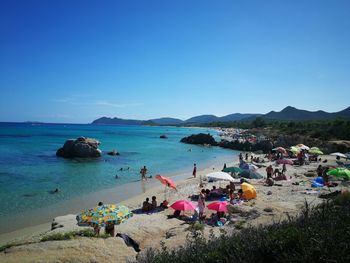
75 61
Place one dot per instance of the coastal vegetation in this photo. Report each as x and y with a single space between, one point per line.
336 129
318 234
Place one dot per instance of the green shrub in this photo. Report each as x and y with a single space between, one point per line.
320 234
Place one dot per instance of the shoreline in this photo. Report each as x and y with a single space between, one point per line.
130 194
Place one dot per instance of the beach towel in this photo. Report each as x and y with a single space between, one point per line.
129 241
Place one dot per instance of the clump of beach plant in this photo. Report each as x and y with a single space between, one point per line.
72 235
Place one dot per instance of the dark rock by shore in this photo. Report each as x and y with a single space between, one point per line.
163 136
200 138
81 147
264 146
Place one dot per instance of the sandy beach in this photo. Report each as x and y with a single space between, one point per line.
149 230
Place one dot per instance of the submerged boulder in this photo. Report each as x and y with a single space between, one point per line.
201 138
81 147
163 136
113 153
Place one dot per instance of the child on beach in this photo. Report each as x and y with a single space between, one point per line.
194 170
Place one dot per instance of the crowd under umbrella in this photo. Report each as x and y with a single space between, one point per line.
167 182
340 172
103 214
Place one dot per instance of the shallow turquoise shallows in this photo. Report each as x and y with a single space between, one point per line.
30 170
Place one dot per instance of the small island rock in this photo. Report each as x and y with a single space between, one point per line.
81 147
163 136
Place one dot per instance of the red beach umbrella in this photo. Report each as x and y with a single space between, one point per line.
166 181
219 206
183 205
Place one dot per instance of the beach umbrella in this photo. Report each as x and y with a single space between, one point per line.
250 175
339 155
100 215
315 151
340 172
281 150
232 169
303 146
284 161
249 191
183 205
166 181
219 206
248 166
220 176
294 149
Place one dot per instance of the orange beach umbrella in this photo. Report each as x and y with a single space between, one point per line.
166 181
248 191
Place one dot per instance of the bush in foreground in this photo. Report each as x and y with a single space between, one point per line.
321 234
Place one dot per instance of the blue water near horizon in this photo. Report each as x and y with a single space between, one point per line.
30 170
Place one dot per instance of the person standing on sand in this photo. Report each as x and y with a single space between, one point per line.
269 171
143 172
194 170
284 169
201 204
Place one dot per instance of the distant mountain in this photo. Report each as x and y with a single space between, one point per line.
106 120
167 121
238 117
202 119
291 113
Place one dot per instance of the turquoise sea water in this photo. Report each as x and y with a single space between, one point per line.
29 168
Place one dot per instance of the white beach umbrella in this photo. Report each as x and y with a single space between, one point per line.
303 146
339 154
220 176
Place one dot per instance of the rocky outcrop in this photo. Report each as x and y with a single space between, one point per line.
201 138
264 146
81 148
163 136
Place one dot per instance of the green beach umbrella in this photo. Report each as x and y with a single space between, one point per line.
315 151
340 172
294 149
232 170
250 175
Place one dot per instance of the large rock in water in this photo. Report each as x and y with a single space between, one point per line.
200 138
81 147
